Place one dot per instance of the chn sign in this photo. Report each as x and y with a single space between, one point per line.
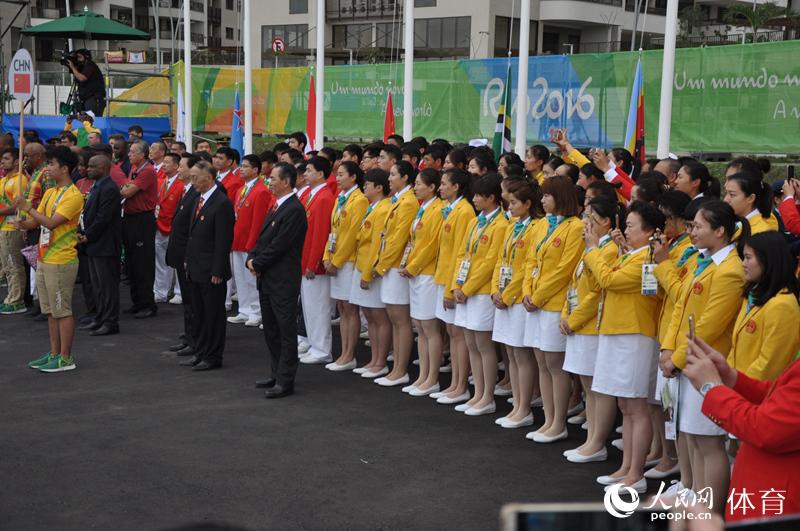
20 75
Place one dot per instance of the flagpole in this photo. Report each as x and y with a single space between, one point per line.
408 73
187 76
522 78
248 81
320 136
667 75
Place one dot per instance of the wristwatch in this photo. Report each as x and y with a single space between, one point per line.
708 386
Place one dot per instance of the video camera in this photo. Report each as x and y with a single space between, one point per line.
67 56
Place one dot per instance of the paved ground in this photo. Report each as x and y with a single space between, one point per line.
130 440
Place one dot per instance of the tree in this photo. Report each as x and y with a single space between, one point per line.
757 16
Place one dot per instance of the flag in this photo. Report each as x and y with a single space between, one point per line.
180 135
311 117
502 131
634 131
388 119
237 128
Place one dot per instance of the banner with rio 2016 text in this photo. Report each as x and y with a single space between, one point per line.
741 98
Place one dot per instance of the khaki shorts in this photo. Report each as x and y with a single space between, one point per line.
55 283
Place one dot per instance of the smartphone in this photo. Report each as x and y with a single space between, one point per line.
691 327
790 171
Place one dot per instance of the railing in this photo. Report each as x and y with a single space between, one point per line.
617 3
362 9
198 38
630 5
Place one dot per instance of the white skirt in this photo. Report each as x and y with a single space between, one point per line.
394 288
550 337
477 314
581 354
509 326
442 313
690 416
422 294
531 338
624 365
342 283
366 298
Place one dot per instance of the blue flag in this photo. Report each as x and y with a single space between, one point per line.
237 128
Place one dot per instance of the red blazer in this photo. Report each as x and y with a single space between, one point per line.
232 182
250 213
318 212
763 415
168 201
790 214
333 186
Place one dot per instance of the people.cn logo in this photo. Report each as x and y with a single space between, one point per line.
617 507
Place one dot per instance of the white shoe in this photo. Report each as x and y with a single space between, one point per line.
437 394
237 319
575 457
177 299
424 392
577 419
367 343
471 380
640 486
670 495
261 327
375 374
545 439
390 357
575 409
253 322
462 407
618 430
360 370
310 360
446 368
658 474
502 391
500 420
618 444
408 388
478 411
453 400
566 453
537 402
585 425
336 321
235 297
416 362
364 334
608 480
335 367
510 399
303 347
509 424
386 382
530 435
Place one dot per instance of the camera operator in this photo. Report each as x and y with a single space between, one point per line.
91 86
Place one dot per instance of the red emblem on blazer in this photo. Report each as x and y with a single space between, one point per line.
391 215
750 326
367 224
520 243
697 288
419 225
447 227
484 238
344 213
557 242
682 273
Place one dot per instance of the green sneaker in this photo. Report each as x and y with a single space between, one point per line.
58 364
13 309
43 360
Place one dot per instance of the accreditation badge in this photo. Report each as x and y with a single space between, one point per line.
649 280
463 271
572 299
406 253
332 242
44 237
506 273
157 210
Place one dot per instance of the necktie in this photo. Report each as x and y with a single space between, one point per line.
749 303
518 226
702 264
394 199
481 221
199 207
688 253
420 212
552 223
446 212
342 199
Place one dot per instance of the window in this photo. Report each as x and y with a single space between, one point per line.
229 5
424 3
352 36
388 35
298 7
501 27
294 35
229 33
439 33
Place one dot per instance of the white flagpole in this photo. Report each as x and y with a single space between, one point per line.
248 81
320 137
187 76
667 75
521 116
408 73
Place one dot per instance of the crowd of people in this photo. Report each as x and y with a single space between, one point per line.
577 282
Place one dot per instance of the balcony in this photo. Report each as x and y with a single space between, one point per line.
215 14
615 3
198 38
214 43
43 12
362 9
197 6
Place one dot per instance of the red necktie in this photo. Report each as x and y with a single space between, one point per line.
199 207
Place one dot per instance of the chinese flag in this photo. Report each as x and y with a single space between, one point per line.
22 82
388 119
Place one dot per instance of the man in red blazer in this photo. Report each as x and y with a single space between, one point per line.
315 289
251 207
170 190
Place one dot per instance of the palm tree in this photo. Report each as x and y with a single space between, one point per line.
757 16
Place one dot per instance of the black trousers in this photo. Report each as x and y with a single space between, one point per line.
301 321
139 238
186 295
96 104
209 319
104 272
279 317
86 285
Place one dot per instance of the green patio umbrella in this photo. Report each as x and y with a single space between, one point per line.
86 25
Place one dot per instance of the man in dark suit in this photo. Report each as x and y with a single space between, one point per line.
208 265
276 262
176 253
101 237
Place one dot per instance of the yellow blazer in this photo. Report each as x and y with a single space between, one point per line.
670 277
513 253
346 224
484 246
550 265
583 319
453 230
575 157
759 224
766 340
425 240
625 309
713 298
539 177
369 238
396 232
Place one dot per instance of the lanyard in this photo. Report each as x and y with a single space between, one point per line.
337 215
513 240
678 240
418 218
57 201
165 189
245 192
478 239
549 233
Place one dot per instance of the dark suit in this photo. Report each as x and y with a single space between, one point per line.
208 252
276 259
176 253
101 224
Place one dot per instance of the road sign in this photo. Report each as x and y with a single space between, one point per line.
20 76
278 46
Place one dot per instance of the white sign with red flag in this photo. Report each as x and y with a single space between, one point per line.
20 76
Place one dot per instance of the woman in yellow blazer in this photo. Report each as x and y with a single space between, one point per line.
579 324
712 298
456 218
340 255
627 347
366 289
551 262
751 199
527 223
472 288
394 288
418 265
766 333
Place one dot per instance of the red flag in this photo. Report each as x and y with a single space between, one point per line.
311 117
388 120
22 82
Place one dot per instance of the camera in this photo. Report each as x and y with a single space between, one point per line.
67 56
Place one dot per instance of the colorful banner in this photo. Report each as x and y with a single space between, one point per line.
740 98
